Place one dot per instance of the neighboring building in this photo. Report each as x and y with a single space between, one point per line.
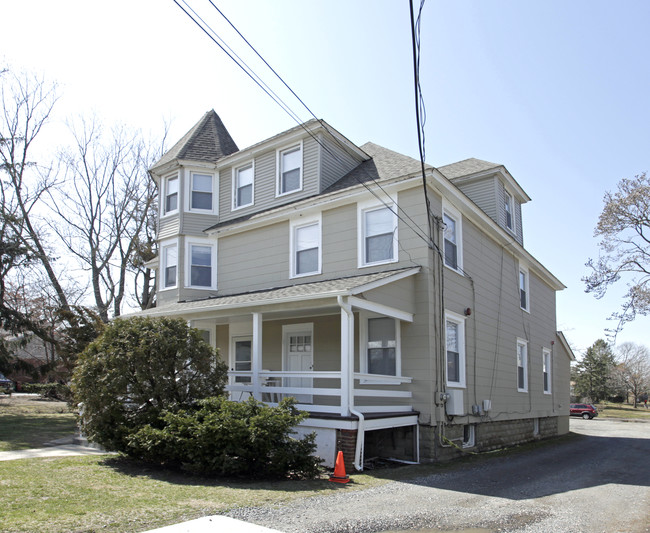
306 260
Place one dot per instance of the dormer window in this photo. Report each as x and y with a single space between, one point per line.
171 195
508 207
201 192
290 170
243 186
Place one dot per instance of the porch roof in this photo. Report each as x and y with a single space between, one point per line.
329 289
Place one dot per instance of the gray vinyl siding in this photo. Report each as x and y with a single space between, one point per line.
519 224
335 162
195 223
484 194
496 322
254 260
168 227
265 182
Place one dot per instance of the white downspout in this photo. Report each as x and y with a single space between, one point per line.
358 454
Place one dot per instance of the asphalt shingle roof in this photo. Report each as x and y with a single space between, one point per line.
466 167
329 288
208 140
385 164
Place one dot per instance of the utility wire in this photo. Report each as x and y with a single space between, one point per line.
322 124
419 232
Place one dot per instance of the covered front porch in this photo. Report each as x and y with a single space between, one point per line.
335 346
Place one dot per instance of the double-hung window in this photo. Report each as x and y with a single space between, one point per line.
306 248
546 370
378 239
508 207
169 267
452 236
455 341
171 195
524 298
201 265
522 365
382 346
290 170
243 186
201 194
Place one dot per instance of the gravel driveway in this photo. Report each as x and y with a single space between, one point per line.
597 483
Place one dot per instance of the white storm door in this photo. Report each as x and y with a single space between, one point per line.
298 350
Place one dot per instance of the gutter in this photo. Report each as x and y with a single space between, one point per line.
358 453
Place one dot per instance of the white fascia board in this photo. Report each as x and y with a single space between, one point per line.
469 209
380 309
315 204
565 345
502 171
311 127
385 281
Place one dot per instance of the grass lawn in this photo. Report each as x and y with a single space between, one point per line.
621 410
114 494
29 422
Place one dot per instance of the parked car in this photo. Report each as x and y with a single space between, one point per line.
584 410
6 385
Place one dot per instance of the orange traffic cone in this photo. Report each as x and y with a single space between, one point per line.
339 470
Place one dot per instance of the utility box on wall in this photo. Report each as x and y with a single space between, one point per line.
455 405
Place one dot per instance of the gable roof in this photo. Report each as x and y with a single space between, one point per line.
465 167
208 140
384 164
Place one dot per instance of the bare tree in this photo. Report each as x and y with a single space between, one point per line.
624 229
633 368
104 207
27 103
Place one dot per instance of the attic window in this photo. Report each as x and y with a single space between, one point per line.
290 170
508 207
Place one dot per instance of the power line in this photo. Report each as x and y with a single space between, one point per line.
250 72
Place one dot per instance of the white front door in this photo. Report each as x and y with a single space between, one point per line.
298 347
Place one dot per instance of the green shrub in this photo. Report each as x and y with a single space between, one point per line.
137 369
225 438
49 391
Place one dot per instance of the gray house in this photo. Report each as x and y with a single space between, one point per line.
409 325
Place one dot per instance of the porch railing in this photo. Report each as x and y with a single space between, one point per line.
273 386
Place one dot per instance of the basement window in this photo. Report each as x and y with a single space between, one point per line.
469 436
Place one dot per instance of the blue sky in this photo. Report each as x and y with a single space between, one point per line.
556 91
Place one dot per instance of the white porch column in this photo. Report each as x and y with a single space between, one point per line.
347 356
256 356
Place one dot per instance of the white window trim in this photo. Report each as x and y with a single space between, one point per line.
452 212
188 192
278 168
523 269
363 346
362 209
188 263
234 337
296 224
236 207
524 343
161 277
546 353
507 194
460 320
163 207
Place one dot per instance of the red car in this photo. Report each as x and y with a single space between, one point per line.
584 410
